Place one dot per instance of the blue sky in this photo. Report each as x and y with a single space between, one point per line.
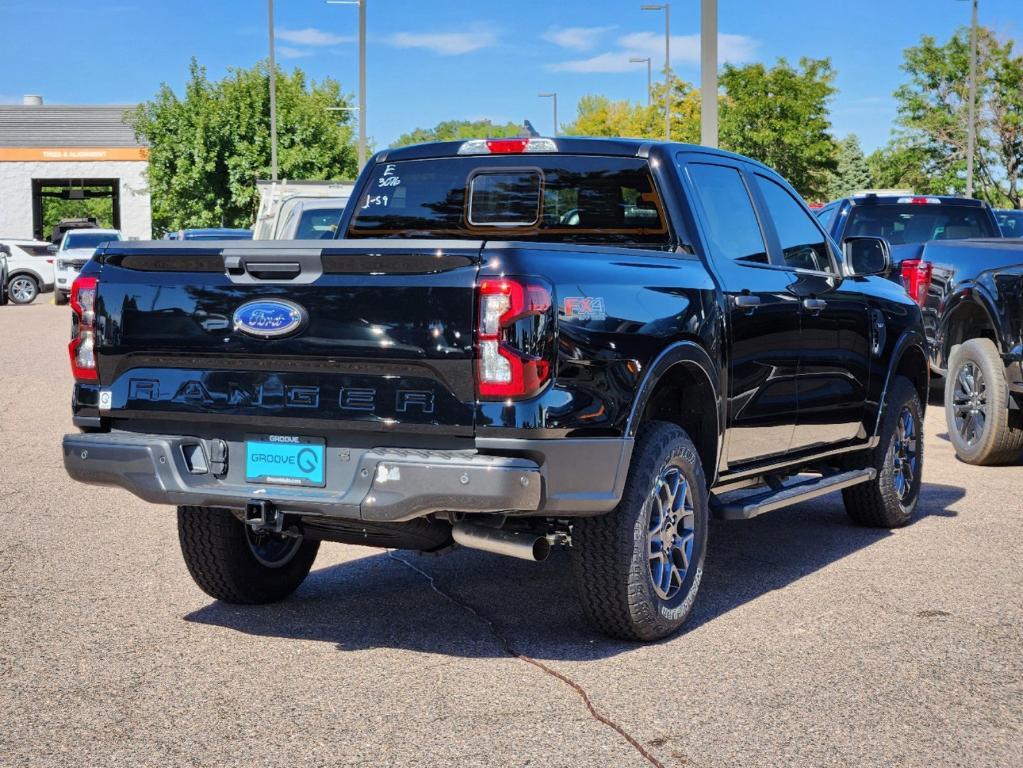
430 60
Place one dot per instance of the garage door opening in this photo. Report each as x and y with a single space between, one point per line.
56 200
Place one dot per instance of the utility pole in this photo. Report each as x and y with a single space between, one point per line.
362 74
666 7
649 76
273 95
554 97
971 133
709 73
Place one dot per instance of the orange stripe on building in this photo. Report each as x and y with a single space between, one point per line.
71 154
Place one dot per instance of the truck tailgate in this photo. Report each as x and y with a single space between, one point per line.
383 336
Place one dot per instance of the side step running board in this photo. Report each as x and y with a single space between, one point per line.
766 501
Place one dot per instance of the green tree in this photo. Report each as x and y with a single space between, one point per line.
456 130
598 115
853 172
934 117
901 166
779 116
208 147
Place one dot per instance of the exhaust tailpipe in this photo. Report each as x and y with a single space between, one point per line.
520 544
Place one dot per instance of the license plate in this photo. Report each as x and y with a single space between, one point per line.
285 460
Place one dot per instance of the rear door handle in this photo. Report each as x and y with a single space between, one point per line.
747 301
814 305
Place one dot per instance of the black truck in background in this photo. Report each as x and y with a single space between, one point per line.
949 254
518 343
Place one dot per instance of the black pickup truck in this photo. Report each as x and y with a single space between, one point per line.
515 344
949 255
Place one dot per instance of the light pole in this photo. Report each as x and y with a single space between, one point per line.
273 94
649 76
709 73
554 97
666 7
362 74
971 129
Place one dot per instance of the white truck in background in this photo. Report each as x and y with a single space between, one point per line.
290 210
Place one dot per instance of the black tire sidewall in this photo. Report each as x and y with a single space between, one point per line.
984 355
675 450
904 396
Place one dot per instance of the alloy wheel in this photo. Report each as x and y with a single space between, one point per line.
22 290
905 449
969 403
671 531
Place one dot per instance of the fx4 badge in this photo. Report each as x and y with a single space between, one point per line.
584 308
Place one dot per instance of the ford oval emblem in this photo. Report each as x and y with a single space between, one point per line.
269 318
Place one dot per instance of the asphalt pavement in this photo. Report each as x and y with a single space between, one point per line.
813 642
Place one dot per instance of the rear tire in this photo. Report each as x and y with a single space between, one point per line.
227 563
977 406
889 500
60 298
22 289
638 568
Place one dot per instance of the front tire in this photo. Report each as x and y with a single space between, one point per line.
22 289
231 563
977 406
889 500
638 568
60 298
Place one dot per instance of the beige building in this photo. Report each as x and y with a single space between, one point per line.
70 152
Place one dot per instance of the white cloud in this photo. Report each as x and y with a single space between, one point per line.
287 52
445 43
310 36
576 38
685 49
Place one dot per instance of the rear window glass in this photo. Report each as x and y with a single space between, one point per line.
319 224
918 223
571 198
88 239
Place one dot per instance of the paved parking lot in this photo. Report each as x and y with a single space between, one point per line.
813 642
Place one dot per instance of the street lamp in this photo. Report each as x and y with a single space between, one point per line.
273 94
554 97
666 7
971 129
362 74
649 75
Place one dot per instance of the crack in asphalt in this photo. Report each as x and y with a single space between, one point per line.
510 650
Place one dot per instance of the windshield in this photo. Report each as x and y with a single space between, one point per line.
318 224
912 223
1011 223
567 198
88 239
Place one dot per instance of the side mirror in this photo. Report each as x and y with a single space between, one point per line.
866 256
52 248
5 250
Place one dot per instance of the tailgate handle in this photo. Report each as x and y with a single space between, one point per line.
274 270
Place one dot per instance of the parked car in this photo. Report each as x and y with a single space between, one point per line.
949 255
1010 222
76 248
213 233
309 218
519 343
278 199
30 269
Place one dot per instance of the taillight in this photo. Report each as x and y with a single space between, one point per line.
83 328
512 325
916 277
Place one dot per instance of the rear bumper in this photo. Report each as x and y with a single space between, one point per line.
523 477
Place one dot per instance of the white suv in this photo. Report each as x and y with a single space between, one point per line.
29 268
75 249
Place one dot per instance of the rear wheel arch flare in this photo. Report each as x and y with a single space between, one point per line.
969 319
682 387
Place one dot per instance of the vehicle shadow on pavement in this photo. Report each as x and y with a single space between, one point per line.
380 602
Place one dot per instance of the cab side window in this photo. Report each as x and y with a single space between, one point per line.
803 245
731 223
